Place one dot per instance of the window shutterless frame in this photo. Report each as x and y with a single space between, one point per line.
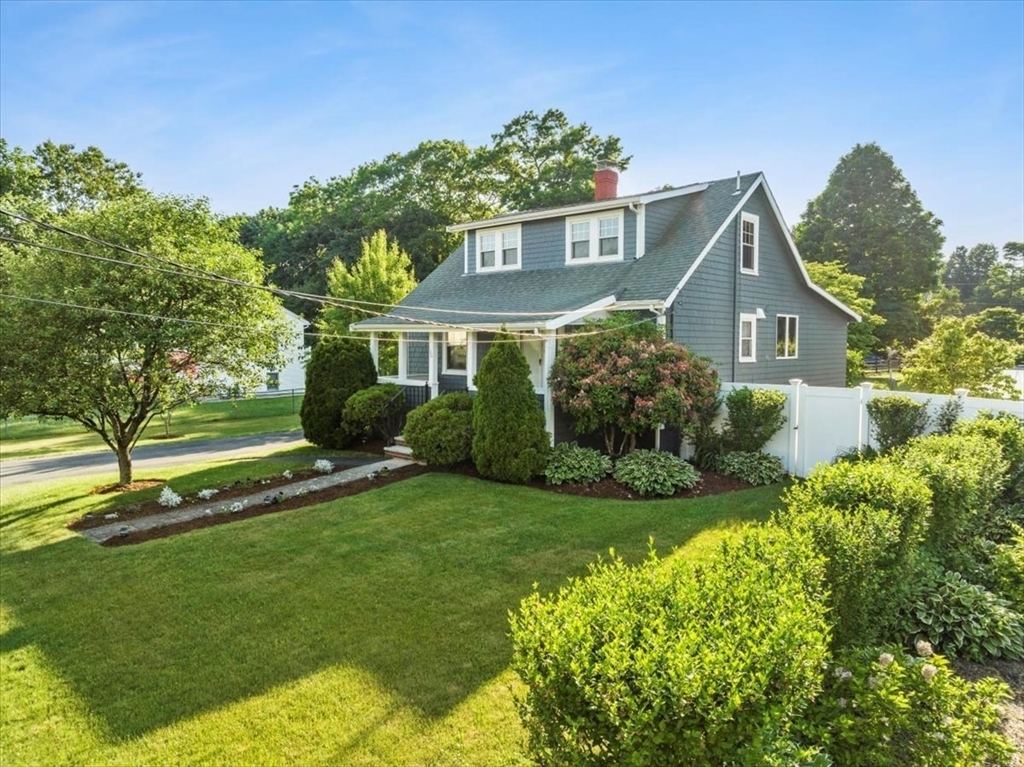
499 249
595 238
786 335
748 338
749 243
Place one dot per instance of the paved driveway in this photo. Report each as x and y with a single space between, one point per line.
149 458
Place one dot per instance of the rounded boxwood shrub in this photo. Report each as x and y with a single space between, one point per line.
337 369
440 431
1008 430
652 472
895 420
667 664
376 410
752 468
755 416
510 443
568 462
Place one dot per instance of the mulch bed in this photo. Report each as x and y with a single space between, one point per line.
710 484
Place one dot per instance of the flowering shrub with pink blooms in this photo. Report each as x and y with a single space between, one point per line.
628 380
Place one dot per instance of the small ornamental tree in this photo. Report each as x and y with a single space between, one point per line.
622 380
958 355
509 440
336 370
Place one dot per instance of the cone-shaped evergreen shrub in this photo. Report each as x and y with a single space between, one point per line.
336 370
509 440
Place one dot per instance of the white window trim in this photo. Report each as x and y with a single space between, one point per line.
595 238
753 338
795 340
444 354
497 232
745 217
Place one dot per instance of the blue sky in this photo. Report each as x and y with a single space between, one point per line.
238 102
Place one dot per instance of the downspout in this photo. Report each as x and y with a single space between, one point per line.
736 298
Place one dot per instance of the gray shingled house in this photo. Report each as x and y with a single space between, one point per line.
713 263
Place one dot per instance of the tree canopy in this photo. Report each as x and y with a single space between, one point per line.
111 343
958 355
870 219
413 196
833 277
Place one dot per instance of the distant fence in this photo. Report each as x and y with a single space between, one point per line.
823 421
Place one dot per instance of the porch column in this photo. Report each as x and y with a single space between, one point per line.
403 356
432 364
470 359
375 351
550 341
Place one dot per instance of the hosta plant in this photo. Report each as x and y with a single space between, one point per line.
652 472
752 468
568 462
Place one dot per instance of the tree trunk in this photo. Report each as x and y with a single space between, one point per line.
124 465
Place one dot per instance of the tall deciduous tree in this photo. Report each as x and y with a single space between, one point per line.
542 160
833 277
957 355
110 345
870 219
967 269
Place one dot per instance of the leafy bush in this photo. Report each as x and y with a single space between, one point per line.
854 367
336 370
947 416
1008 569
665 664
569 462
752 468
755 416
440 431
962 619
884 708
867 520
855 455
965 474
1008 430
509 440
895 420
628 379
652 472
376 409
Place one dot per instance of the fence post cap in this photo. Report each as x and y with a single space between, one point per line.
961 393
795 381
866 385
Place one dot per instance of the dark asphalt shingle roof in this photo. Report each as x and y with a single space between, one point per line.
548 293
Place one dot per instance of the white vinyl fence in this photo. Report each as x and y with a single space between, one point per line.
822 421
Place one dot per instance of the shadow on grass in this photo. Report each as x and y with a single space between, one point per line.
412 583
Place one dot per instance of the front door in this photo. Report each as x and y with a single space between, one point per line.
534 353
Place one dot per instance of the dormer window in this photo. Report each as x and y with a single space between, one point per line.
748 243
594 238
498 249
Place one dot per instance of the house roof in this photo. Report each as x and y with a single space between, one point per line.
530 297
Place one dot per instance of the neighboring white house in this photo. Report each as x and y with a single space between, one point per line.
293 374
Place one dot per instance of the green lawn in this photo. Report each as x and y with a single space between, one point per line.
366 631
30 437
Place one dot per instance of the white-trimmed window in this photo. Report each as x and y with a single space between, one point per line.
455 351
594 238
786 336
748 338
498 249
749 240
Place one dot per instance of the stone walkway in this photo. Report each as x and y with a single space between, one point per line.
100 534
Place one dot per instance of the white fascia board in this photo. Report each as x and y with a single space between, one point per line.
670 193
713 240
414 326
637 306
800 262
536 215
583 311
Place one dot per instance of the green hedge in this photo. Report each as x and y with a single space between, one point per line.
440 431
664 664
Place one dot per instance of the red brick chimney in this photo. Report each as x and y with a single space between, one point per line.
606 180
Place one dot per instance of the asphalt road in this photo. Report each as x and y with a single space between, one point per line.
147 458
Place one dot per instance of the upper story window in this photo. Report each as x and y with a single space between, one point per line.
594 238
498 249
749 243
785 336
748 338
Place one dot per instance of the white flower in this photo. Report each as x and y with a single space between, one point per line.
924 649
323 466
928 671
873 682
287 474
885 659
236 507
842 674
169 498
841 702
207 494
